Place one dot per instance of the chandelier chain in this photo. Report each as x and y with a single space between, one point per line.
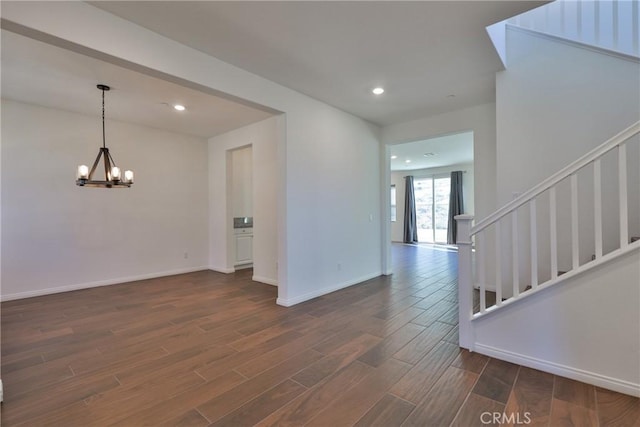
104 144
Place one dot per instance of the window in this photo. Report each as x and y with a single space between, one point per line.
393 203
432 208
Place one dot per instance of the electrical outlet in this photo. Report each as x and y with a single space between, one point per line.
186 254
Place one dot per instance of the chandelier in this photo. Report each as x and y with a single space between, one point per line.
112 173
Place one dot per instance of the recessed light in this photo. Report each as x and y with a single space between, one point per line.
394 157
378 91
407 161
179 107
428 154
451 96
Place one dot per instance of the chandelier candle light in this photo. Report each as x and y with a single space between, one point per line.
112 173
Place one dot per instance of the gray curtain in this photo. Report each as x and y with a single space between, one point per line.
410 225
456 206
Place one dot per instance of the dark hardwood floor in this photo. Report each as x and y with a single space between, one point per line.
212 349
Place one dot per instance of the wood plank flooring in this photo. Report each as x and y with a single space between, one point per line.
206 348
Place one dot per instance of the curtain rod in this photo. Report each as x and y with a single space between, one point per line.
437 173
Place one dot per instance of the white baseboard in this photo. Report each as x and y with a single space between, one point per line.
224 270
615 384
68 288
317 293
265 280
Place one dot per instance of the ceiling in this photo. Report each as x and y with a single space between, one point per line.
441 151
421 52
42 74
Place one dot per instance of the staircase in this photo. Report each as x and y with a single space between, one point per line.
609 25
506 221
551 280
500 238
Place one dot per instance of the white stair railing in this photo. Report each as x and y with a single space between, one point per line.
607 24
509 241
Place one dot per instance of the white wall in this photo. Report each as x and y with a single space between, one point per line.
579 329
242 181
333 201
325 203
556 102
397 179
263 140
58 236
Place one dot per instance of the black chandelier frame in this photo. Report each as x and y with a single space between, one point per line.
110 181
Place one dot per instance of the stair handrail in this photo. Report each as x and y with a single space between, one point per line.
554 179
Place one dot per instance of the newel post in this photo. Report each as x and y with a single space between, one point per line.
465 281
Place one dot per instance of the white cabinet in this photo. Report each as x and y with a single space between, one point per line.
244 246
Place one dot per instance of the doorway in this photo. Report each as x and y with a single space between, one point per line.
430 162
240 167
